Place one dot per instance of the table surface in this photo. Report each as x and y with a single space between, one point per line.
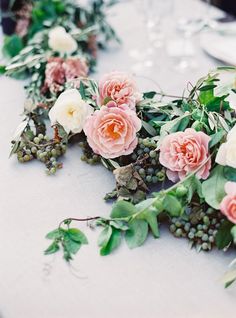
163 278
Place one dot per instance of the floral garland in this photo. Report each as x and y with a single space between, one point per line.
173 157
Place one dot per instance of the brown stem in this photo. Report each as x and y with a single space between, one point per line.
79 220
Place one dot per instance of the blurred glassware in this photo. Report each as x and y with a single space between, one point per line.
152 13
186 23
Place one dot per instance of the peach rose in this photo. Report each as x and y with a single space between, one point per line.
120 88
228 204
183 152
111 131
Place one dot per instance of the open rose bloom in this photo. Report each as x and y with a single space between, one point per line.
120 88
184 152
70 111
111 131
228 204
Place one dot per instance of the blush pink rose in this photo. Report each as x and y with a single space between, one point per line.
120 88
228 204
184 152
111 131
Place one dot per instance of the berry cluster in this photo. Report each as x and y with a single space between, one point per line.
150 170
40 147
200 228
88 155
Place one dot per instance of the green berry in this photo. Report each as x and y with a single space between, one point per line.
150 171
154 179
172 228
206 220
54 152
36 140
33 149
178 232
190 235
181 191
199 233
26 157
148 179
153 154
204 246
41 136
53 170
161 176
141 172
205 237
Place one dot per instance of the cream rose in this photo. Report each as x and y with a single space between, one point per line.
61 41
226 155
70 111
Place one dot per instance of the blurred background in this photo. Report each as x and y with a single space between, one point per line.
160 38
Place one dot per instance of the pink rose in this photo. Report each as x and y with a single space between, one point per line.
111 131
75 67
184 152
59 71
228 204
120 88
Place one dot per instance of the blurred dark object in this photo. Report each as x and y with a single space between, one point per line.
15 16
227 5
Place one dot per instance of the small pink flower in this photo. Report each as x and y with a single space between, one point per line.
228 204
59 71
184 152
74 68
111 131
120 88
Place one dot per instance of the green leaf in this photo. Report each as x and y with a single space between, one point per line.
53 248
172 205
104 236
218 103
224 237
62 134
137 233
213 188
207 87
233 233
71 246
55 234
151 218
149 95
2 69
230 173
206 96
77 236
82 90
182 125
149 128
216 138
112 244
122 209
193 185
119 225
12 45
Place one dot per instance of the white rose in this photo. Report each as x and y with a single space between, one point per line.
70 111
226 155
61 41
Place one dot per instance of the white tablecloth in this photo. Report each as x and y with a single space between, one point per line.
164 278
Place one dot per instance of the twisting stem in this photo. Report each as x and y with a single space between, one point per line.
79 220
